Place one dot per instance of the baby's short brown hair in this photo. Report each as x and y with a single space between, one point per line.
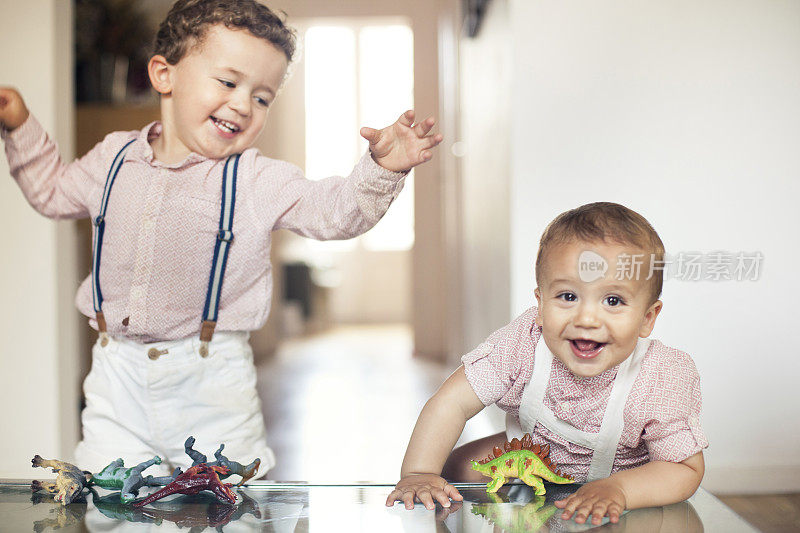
188 21
606 221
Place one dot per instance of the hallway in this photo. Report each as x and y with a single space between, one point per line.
341 405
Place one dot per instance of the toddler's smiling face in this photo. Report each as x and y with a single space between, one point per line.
216 97
591 319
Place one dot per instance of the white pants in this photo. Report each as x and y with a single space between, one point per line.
137 407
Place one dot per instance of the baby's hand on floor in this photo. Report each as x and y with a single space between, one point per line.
596 499
402 145
426 488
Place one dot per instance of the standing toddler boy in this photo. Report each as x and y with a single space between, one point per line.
181 206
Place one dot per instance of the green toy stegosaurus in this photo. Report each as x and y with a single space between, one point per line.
521 459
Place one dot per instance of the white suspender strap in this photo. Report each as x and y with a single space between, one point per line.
614 418
99 228
221 248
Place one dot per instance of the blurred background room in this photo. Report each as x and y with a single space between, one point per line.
684 111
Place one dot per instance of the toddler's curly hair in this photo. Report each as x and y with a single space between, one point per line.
610 222
188 21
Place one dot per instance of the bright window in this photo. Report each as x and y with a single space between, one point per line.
358 75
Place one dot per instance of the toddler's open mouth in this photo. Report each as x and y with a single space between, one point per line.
228 129
586 349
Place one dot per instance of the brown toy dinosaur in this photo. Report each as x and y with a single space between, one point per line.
197 478
69 483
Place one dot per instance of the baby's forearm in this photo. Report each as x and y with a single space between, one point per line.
436 432
440 424
660 482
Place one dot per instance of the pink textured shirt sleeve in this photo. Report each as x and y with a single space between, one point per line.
335 207
500 367
670 406
54 188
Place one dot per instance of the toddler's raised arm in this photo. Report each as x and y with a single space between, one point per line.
341 208
55 188
438 427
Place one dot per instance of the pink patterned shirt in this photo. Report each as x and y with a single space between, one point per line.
662 413
162 222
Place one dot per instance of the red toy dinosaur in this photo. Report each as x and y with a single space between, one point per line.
197 478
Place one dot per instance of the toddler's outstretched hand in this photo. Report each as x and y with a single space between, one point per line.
426 488
596 499
12 108
404 144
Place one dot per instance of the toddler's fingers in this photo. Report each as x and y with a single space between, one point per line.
426 499
583 511
430 141
598 512
571 505
614 512
452 492
408 499
370 134
393 497
441 497
422 128
407 118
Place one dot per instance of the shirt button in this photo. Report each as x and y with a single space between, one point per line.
148 224
153 353
566 407
137 293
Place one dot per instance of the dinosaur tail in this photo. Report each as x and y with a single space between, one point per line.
166 491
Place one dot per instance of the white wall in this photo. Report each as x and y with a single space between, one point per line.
688 112
486 74
38 324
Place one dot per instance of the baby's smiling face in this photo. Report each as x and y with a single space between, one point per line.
590 319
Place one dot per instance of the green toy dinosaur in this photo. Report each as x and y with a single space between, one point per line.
521 459
129 480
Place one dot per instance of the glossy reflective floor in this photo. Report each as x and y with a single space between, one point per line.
287 508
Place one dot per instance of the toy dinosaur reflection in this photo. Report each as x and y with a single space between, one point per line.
60 516
197 478
196 511
513 518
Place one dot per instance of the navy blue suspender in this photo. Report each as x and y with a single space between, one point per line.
221 248
218 263
99 229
